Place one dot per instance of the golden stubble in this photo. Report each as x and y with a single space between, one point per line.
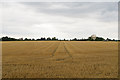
59 59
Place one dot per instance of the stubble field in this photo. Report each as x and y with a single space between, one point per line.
59 59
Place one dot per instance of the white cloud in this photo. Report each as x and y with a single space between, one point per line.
63 20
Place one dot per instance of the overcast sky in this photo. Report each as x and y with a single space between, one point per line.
60 19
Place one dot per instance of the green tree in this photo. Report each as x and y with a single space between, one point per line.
54 38
49 38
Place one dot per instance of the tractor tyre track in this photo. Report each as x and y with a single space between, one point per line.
53 54
67 50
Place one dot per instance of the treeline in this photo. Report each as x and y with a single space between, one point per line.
97 39
26 39
54 39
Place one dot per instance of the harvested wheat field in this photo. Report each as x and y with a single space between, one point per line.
60 59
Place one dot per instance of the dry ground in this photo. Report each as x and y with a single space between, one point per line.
60 59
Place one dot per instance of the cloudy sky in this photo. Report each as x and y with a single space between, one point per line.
60 19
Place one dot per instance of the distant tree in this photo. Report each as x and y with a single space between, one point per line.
97 39
75 39
60 40
108 39
29 39
43 38
54 38
25 39
89 39
5 38
8 39
20 39
113 40
38 39
33 39
49 38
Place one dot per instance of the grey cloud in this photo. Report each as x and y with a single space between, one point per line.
63 20
78 9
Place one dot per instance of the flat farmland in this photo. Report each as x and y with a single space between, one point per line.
59 59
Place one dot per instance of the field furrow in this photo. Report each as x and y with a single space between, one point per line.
59 59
